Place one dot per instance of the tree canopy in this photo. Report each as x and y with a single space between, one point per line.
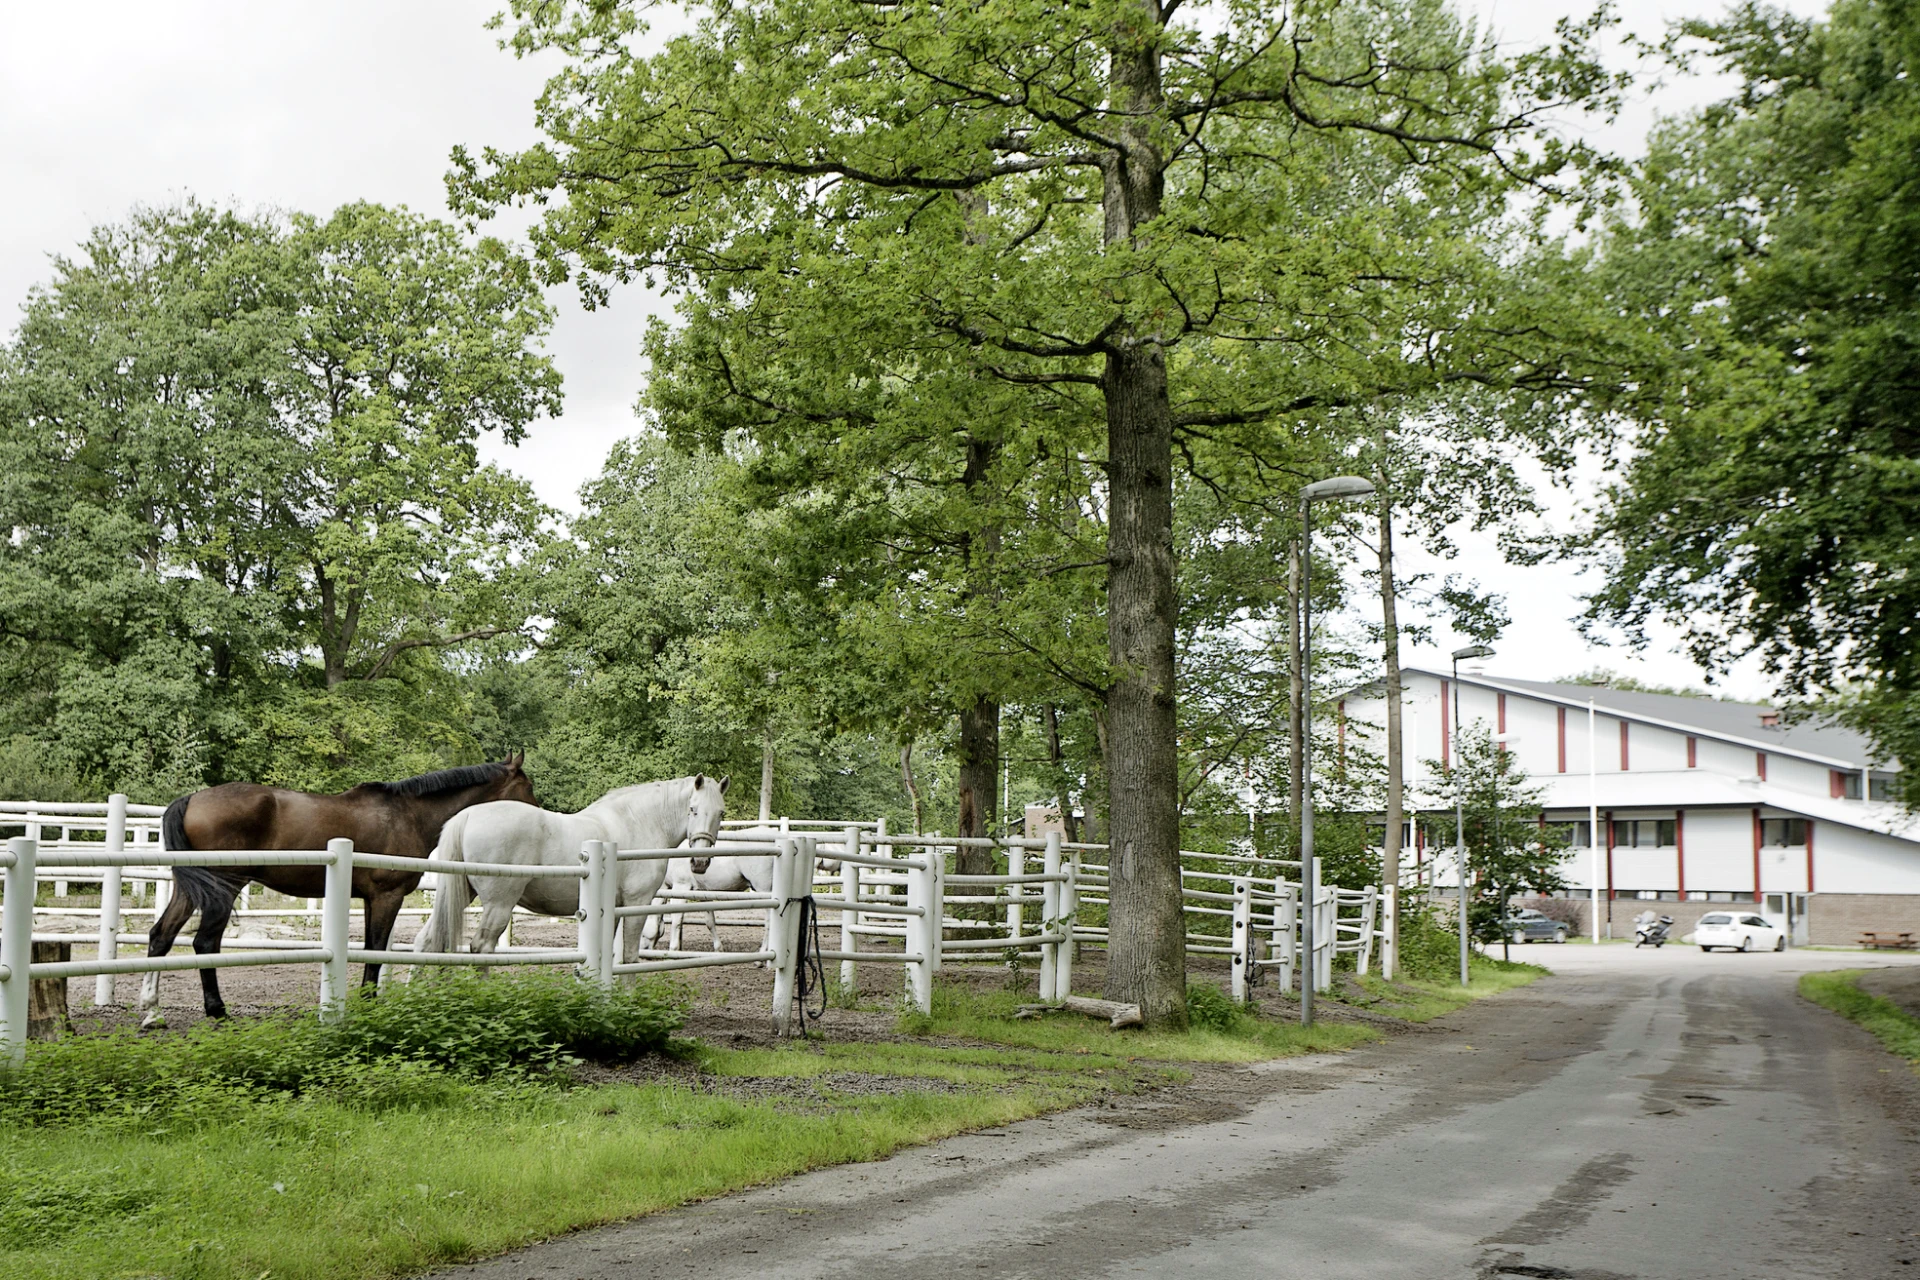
1178 239
1771 257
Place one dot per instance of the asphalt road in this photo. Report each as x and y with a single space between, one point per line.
1641 1114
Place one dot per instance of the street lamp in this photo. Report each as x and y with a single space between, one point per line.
1459 801
1336 487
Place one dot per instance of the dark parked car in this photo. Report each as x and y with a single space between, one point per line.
1530 925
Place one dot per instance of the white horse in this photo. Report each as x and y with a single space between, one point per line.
652 815
723 873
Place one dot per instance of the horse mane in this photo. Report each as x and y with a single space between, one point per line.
441 780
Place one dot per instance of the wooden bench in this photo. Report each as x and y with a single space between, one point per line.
1887 942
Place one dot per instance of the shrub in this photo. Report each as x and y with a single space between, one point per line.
1211 1009
1429 947
412 1046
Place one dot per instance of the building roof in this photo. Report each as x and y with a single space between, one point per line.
1656 789
1821 741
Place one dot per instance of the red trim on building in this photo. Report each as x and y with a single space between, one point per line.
1446 723
1836 785
1340 719
1563 739
1760 764
1609 861
1500 715
1693 752
1623 746
1756 855
1680 849
1809 855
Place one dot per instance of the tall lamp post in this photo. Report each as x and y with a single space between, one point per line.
1459 801
1335 487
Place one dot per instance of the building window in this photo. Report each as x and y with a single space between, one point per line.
1879 785
1573 835
1783 833
1644 833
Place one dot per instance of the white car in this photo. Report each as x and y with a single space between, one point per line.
1737 931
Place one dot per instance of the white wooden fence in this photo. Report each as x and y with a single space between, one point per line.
886 889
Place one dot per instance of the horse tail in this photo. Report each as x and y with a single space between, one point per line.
173 825
203 887
447 923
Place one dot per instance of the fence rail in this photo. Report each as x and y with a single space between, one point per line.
885 888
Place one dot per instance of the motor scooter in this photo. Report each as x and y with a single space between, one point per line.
1651 931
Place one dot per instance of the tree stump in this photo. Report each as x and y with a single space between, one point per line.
47 997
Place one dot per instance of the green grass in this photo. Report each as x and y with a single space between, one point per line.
306 1190
1839 990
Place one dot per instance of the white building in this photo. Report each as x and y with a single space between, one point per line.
1700 802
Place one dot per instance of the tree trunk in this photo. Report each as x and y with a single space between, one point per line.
1146 950
766 771
1390 643
1057 758
47 1017
913 789
979 772
979 777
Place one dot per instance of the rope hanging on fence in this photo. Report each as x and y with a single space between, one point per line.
809 977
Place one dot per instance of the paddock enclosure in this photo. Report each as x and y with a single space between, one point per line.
887 899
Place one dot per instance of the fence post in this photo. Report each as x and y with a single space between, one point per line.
1324 936
110 897
1286 937
1368 907
335 912
849 918
16 948
786 925
1050 921
1242 958
937 903
593 905
1069 903
609 900
923 930
1390 932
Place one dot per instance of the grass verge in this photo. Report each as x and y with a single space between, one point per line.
1415 1000
1839 990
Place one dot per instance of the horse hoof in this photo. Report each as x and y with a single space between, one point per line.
153 1022
216 1011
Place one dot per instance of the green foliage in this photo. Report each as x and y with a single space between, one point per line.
1508 851
33 770
1211 1009
39 1209
237 460
1768 268
411 1046
1429 942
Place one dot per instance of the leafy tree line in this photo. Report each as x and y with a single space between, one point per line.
1767 260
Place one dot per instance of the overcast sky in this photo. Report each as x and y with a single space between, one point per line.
109 105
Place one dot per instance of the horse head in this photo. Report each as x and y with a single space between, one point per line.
514 784
706 806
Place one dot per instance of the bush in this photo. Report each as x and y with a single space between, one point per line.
1211 1009
415 1045
1429 947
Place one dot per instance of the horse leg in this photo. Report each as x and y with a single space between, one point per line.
166 927
383 909
215 911
495 915
713 930
676 925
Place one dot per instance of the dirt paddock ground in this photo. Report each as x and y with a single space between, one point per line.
731 1004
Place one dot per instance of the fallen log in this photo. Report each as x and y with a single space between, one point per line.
1118 1015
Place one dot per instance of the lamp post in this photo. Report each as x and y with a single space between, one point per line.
1336 487
1459 801
1593 833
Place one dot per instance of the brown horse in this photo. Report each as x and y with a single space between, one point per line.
398 818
